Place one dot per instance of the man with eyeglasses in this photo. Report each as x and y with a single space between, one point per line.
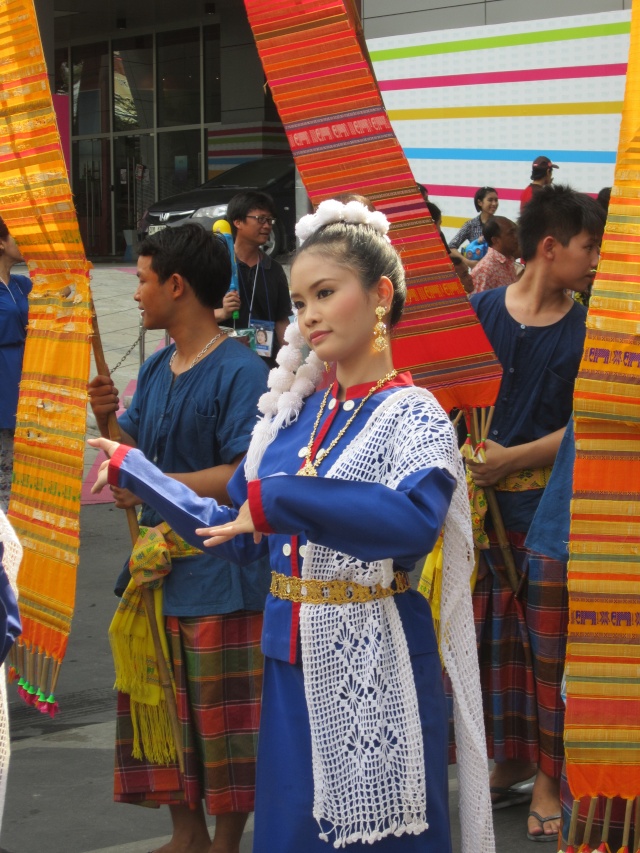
263 300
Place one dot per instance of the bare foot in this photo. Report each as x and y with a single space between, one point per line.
180 845
510 772
545 800
190 833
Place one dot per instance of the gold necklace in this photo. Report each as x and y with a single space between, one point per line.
200 354
309 469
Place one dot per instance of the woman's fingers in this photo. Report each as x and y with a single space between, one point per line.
101 479
105 444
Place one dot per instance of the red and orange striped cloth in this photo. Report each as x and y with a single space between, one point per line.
602 727
317 67
36 204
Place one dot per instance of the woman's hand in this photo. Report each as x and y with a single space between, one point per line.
109 447
102 478
242 524
498 464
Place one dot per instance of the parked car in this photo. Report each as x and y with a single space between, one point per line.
208 202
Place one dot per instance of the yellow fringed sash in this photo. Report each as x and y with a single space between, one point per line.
132 646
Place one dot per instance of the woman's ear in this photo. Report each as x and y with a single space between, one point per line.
385 291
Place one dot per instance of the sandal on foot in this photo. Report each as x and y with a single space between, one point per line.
504 798
543 836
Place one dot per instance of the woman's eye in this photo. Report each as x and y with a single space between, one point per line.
298 306
322 294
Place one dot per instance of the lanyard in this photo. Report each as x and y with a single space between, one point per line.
253 291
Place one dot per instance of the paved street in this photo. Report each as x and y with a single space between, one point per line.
60 784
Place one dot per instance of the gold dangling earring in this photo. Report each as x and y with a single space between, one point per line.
380 342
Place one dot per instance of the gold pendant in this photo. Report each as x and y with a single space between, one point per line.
307 470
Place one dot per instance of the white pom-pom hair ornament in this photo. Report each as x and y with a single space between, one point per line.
353 212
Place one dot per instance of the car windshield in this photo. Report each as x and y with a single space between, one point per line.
256 173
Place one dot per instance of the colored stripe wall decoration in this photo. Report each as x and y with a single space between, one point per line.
238 143
341 138
474 107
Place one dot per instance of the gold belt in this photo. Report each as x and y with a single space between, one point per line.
310 591
523 481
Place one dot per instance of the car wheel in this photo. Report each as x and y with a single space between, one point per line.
277 242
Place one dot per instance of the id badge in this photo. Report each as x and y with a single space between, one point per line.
264 335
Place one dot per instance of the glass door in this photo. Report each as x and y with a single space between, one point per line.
134 188
92 191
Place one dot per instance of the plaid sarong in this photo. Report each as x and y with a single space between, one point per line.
521 647
506 671
547 616
218 667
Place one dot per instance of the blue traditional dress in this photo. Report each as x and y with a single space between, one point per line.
355 520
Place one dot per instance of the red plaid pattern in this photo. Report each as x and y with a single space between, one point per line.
218 672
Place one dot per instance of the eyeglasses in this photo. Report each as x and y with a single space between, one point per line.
261 219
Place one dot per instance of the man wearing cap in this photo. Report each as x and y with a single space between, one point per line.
541 175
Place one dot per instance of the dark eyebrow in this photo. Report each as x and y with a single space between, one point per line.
314 286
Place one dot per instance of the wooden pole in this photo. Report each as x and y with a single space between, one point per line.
496 515
147 594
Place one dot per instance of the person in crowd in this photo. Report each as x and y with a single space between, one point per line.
604 197
193 412
352 743
498 267
14 315
262 300
541 176
462 271
537 332
436 214
424 191
485 201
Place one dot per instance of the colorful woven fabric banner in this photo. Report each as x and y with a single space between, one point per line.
325 91
36 204
602 726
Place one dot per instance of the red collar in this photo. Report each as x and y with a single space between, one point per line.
357 391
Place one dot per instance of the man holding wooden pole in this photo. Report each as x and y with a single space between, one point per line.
537 331
192 413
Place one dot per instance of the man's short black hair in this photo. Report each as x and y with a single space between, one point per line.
557 211
243 203
491 229
197 255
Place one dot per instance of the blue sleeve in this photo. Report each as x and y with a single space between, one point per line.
368 521
238 406
129 420
183 510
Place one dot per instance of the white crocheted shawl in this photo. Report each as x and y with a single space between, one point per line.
11 561
368 756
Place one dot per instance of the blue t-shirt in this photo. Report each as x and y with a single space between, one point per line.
14 315
540 365
200 419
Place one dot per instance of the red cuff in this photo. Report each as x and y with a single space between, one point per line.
113 470
256 509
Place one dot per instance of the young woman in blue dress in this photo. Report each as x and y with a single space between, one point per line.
347 488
